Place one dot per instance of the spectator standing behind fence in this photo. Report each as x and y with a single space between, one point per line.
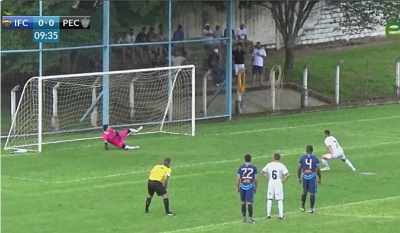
213 64
234 41
141 38
217 32
241 33
179 35
258 62
130 38
162 38
238 58
152 36
207 33
121 49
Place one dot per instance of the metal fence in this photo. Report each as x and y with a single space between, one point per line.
83 52
312 83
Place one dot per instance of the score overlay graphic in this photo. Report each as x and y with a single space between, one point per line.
45 28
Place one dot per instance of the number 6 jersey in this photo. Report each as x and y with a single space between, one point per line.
275 171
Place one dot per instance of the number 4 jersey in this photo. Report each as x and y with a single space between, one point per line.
275 171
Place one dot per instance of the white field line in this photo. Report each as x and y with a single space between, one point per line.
218 225
236 132
361 216
285 153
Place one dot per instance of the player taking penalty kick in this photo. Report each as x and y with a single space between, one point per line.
246 183
307 173
276 173
335 152
110 135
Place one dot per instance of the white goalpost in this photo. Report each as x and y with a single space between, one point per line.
66 108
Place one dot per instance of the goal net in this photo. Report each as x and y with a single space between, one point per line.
65 108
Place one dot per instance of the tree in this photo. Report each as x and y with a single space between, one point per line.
357 16
289 17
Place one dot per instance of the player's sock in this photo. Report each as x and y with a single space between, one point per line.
280 208
250 209
325 163
130 147
133 130
312 201
269 206
166 205
350 164
244 210
303 199
148 202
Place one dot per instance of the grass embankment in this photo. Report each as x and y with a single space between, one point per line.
367 71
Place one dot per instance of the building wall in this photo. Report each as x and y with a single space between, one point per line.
319 28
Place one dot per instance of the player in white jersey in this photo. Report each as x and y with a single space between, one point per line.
276 173
335 152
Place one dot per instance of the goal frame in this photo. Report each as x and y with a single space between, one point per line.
105 118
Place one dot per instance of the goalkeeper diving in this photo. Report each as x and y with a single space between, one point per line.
115 138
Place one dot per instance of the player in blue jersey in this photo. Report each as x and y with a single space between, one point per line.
307 172
247 182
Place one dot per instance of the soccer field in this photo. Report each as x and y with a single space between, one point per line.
81 188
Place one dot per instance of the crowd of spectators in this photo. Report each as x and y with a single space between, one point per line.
158 54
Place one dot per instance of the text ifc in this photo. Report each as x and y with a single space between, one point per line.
45 22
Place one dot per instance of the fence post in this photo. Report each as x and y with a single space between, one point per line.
337 82
204 93
304 91
54 119
273 88
398 79
14 104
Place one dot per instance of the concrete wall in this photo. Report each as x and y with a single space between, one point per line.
261 27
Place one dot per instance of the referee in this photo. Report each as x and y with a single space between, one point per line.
158 181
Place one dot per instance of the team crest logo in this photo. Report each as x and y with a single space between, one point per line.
85 23
6 23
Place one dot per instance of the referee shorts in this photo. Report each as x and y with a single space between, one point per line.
155 186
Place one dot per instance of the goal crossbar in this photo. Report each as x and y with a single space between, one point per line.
130 92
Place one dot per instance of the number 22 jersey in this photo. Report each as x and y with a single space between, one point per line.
247 174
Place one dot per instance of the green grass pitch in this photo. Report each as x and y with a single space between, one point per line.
80 187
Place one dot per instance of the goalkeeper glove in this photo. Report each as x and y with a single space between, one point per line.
106 145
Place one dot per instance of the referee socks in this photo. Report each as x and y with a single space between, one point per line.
166 205
148 202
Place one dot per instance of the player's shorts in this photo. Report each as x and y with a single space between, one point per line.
275 190
154 186
247 195
335 156
309 186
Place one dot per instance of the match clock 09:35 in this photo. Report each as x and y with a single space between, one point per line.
46 36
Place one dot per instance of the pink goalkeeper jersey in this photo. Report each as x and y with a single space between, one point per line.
111 137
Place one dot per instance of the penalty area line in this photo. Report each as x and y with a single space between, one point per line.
243 132
218 225
287 153
360 216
